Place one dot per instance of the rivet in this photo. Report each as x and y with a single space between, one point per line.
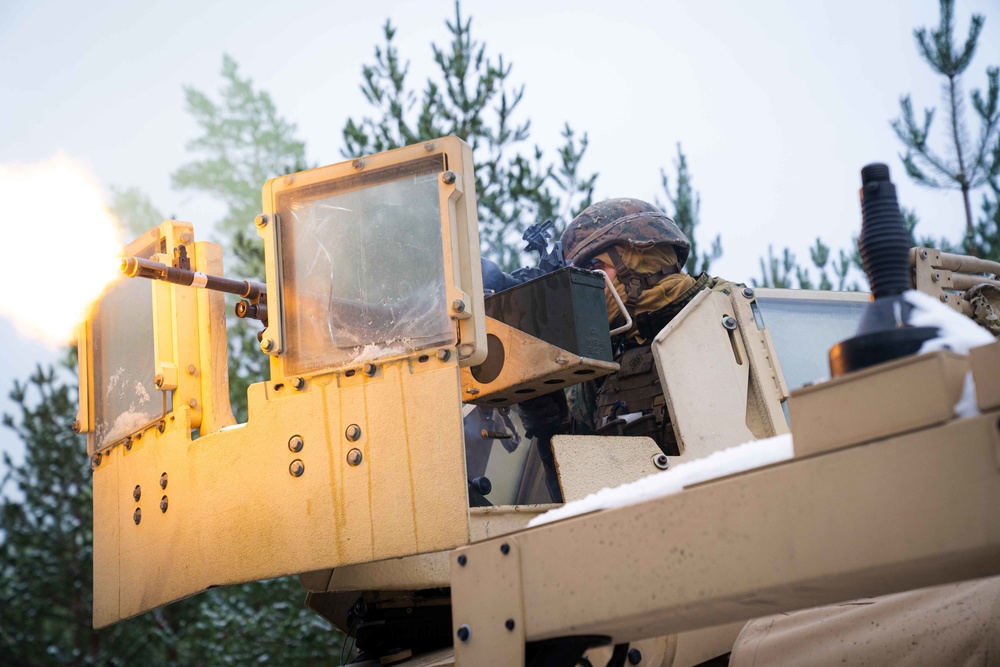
163 481
509 624
137 516
296 468
266 344
924 253
358 164
260 221
748 292
298 383
295 443
458 306
193 402
729 322
462 560
464 632
429 146
163 504
368 369
354 457
136 493
449 177
353 432
944 298
444 355
936 276
505 548
661 461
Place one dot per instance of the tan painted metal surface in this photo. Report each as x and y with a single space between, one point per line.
530 367
588 463
236 512
862 521
986 372
901 395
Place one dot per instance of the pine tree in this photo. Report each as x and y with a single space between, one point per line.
687 208
973 163
472 97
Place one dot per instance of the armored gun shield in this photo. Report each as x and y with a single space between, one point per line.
353 449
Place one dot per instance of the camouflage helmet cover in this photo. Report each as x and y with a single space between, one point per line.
620 221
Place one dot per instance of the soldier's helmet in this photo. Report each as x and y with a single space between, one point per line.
620 222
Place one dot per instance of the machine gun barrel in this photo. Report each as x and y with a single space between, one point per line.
253 293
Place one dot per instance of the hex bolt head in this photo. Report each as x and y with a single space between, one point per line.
505 548
136 493
266 344
464 632
368 369
358 164
298 384
458 306
163 481
729 322
295 443
354 457
748 293
95 460
163 504
260 221
661 461
449 177
634 656
353 432
137 516
444 355
158 381
462 560
296 468
192 369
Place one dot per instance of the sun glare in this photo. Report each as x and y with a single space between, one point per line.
61 251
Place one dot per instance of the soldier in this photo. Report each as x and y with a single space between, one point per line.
644 253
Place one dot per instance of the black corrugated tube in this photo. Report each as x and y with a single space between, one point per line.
884 244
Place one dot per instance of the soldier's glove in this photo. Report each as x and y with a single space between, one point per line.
544 416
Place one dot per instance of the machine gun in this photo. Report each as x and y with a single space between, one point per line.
253 295
537 237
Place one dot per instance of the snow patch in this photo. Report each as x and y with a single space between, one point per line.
718 464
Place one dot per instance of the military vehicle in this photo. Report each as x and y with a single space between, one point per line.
382 462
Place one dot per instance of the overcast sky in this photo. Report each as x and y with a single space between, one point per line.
777 104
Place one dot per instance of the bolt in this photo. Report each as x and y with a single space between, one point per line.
296 468
464 632
163 481
298 384
266 344
158 381
95 460
748 292
729 322
354 457
444 355
193 402
260 221
186 237
136 493
449 177
924 253
353 432
192 369
163 504
509 624
661 461
137 516
936 276
505 548
944 298
76 426
358 164
295 443
473 391
128 444
458 306
429 146
462 560
161 426
634 656
368 369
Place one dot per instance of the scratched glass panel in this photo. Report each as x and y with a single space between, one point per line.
125 398
363 268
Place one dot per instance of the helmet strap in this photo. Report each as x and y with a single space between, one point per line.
633 281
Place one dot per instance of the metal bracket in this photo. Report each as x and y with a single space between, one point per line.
488 632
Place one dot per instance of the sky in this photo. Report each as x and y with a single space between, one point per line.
777 104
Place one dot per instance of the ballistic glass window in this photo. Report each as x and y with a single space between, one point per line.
804 330
362 268
125 398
